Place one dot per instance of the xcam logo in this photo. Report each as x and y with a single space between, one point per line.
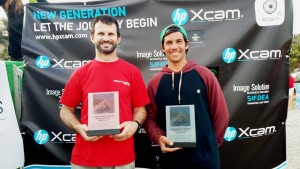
248 132
256 132
41 137
63 138
218 15
180 16
64 64
229 55
44 62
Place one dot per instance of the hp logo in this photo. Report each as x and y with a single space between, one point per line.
180 16
230 134
42 62
229 55
41 137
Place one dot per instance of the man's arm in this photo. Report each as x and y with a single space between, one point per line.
216 103
139 114
220 114
150 125
155 133
130 127
68 117
218 109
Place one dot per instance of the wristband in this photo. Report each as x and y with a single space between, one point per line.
139 125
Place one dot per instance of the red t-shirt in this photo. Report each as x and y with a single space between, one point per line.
98 76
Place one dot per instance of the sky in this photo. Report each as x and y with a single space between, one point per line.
296 5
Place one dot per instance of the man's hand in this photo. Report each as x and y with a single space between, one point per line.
129 128
81 129
165 144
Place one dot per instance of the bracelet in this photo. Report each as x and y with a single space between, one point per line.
139 125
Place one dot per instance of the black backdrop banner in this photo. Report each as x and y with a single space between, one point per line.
244 42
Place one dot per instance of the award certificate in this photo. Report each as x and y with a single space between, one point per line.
180 125
103 113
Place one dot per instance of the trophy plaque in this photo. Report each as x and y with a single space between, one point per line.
103 113
180 125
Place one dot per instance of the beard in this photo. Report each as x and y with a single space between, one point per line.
108 50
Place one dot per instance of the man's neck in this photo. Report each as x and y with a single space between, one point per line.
176 67
106 58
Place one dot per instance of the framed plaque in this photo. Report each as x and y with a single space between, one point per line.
103 113
180 125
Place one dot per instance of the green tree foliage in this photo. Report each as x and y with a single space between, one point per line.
4 41
295 53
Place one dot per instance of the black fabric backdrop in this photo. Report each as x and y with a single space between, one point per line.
244 42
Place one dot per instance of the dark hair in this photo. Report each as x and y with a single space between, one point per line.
173 29
106 19
170 30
